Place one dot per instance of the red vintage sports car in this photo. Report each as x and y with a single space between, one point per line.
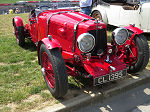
72 43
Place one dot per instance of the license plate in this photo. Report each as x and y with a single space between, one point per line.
110 77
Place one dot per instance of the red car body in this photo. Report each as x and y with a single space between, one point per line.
61 28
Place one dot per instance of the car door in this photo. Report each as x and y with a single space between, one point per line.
145 17
113 12
129 16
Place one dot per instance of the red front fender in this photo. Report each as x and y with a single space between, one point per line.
134 29
49 43
17 21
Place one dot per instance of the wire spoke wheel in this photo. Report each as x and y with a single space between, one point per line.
131 56
136 56
49 74
54 71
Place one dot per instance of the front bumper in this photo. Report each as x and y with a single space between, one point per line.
103 71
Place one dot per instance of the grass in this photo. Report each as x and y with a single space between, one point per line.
14 1
20 74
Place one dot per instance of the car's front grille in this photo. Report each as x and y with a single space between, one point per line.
100 41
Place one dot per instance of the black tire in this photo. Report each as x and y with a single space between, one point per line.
143 54
97 15
59 71
20 35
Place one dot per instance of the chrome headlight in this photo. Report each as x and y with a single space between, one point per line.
86 42
120 35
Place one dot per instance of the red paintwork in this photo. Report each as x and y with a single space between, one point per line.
134 29
98 67
50 44
130 59
61 29
18 21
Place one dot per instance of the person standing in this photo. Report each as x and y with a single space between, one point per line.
11 11
86 6
17 11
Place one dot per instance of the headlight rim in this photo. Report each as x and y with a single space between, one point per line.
116 31
81 36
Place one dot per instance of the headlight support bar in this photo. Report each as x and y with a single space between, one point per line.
75 31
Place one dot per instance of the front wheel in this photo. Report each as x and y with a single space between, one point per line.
136 53
142 53
54 71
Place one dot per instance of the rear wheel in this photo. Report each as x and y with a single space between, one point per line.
54 71
97 15
20 35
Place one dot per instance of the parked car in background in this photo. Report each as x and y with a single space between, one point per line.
21 2
123 13
72 43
